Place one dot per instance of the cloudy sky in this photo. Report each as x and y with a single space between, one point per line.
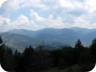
39 14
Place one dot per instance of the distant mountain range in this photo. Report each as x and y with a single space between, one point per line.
50 37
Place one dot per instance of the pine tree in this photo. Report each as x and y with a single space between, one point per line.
78 49
86 61
1 49
78 44
1 40
93 49
28 59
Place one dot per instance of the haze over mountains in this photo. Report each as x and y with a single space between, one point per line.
50 37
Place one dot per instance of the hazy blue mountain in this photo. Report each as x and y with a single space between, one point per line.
51 37
23 32
87 38
16 41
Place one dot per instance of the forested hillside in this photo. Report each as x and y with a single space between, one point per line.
66 59
51 37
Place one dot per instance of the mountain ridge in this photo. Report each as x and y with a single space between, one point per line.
50 36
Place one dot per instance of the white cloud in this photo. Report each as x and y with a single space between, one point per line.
49 13
22 22
4 24
31 3
91 5
9 6
83 23
1 2
51 21
65 3
57 22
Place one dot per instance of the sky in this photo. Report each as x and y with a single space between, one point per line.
39 14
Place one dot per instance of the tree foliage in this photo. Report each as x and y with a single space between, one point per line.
93 49
77 58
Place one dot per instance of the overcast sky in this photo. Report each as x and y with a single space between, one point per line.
39 14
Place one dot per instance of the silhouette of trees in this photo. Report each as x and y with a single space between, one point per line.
2 49
78 49
77 58
86 60
8 62
28 59
6 56
79 44
93 49
1 41
18 61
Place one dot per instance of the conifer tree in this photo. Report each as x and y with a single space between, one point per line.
78 44
93 49
1 49
1 41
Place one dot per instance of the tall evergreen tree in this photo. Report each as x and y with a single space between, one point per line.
18 61
28 59
1 40
8 60
86 60
78 49
93 49
1 49
79 44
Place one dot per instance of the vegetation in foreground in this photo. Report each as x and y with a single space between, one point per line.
66 59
